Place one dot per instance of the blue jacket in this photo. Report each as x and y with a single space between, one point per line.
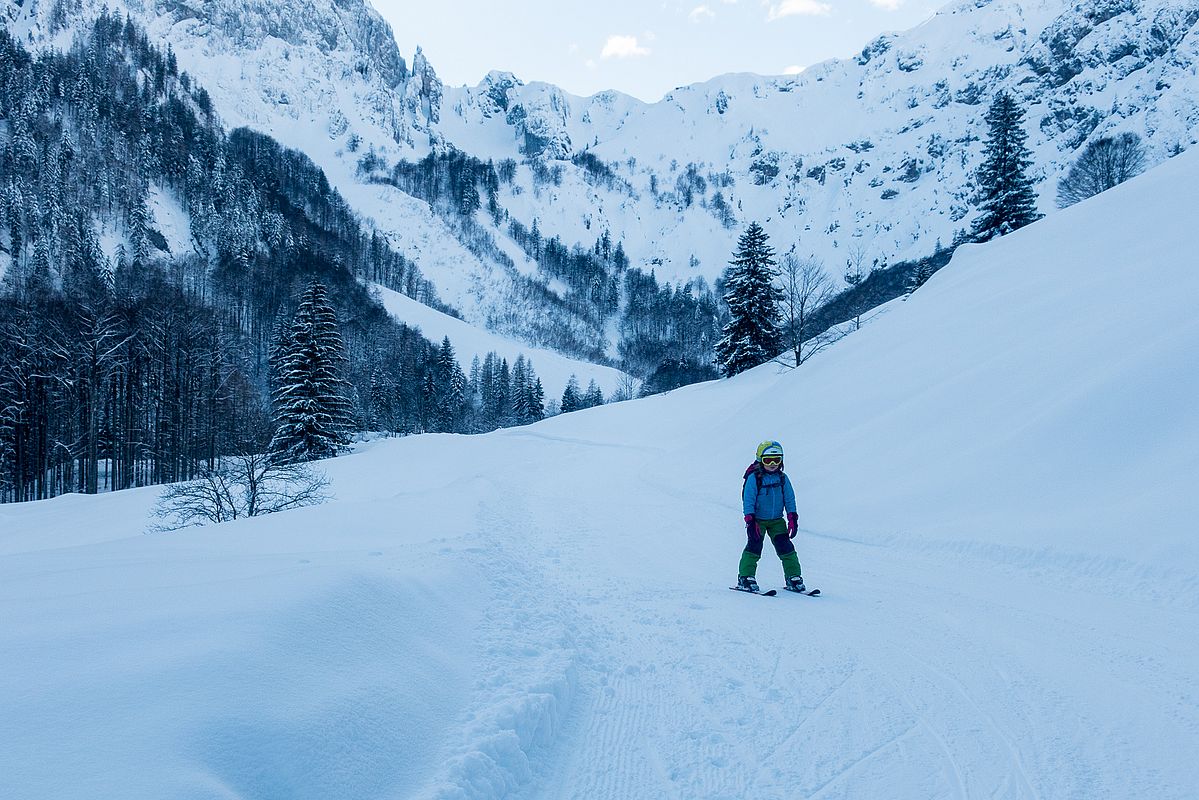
775 495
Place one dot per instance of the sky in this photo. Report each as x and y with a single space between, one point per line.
641 47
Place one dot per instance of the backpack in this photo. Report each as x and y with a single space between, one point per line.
752 469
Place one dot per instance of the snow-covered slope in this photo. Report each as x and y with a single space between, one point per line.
313 74
996 488
469 341
872 155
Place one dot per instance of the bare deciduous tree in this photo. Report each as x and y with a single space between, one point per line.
246 485
805 287
853 273
627 388
1104 163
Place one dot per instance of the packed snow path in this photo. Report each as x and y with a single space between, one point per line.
527 645
922 673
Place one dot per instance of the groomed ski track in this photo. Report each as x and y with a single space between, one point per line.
589 652
927 672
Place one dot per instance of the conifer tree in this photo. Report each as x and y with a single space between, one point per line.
522 411
752 335
489 393
571 399
503 388
619 259
450 388
379 401
9 405
537 399
593 397
468 194
313 413
920 276
428 401
280 348
1006 195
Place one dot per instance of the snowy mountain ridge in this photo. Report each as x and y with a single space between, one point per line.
871 156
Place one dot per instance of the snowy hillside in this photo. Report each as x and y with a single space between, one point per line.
870 156
995 485
470 341
876 152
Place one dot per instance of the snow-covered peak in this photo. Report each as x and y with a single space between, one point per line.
255 57
493 92
423 93
873 154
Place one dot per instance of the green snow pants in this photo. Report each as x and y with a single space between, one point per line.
776 529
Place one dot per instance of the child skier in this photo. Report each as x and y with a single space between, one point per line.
766 494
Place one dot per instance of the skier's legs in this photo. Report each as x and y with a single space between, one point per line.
752 553
777 530
786 550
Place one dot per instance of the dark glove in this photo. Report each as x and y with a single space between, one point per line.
792 524
751 525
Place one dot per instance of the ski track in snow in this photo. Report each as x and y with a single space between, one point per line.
695 694
601 656
525 657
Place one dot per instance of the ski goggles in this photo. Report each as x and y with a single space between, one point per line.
772 461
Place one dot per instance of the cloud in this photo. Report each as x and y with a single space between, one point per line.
701 13
794 69
888 5
623 47
806 8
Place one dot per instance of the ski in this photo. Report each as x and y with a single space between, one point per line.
767 593
809 592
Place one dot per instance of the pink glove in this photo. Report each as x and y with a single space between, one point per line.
792 524
751 527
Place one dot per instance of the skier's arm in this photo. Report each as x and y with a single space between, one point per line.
749 496
789 504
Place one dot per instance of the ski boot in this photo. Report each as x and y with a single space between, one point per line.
746 583
795 584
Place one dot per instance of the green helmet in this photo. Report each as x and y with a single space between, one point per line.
770 448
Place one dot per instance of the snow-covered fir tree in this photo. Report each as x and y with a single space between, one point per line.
521 407
313 413
924 270
593 396
449 389
527 396
572 399
537 399
380 393
499 394
752 335
1005 195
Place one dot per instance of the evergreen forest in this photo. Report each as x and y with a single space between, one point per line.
144 362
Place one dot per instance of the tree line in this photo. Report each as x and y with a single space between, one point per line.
132 355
